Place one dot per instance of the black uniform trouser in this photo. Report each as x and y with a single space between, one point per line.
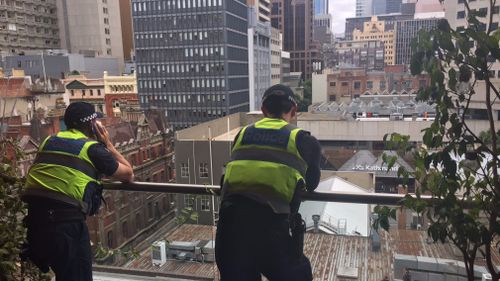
252 240
64 246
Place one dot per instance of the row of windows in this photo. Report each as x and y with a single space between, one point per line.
407 84
481 11
163 22
84 93
173 98
218 84
203 170
174 4
215 68
190 202
160 39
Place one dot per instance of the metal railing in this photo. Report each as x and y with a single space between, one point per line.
342 197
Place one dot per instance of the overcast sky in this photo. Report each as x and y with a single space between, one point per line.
340 10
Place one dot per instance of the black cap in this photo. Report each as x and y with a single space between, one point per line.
79 113
280 90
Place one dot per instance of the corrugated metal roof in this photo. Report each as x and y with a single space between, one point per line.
328 253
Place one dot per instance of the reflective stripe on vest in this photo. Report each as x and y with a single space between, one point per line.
265 163
63 165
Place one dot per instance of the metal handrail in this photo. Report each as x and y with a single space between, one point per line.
342 197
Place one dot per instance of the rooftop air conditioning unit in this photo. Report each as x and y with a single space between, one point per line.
159 253
486 277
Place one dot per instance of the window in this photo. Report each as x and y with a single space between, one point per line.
357 85
184 170
496 10
98 92
203 170
333 84
110 239
343 84
189 201
91 92
369 84
460 14
150 209
205 203
72 93
83 93
125 229
382 85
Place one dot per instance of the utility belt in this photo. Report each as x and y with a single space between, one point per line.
40 215
51 206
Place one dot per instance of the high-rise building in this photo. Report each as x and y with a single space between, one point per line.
321 7
276 47
90 27
295 21
192 58
263 9
363 8
127 31
382 7
375 29
28 25
259 57
406 31
358 22
456 15
323 28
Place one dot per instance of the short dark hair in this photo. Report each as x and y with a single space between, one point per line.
277 105
278 99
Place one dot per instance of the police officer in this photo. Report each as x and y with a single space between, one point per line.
63 187
270 161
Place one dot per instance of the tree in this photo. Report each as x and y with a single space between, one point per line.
13 210
455 159
304 101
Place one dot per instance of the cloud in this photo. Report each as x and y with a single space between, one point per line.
340 10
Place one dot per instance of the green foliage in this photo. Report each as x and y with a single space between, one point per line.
102 253
13 210
304 102
453 158
187 214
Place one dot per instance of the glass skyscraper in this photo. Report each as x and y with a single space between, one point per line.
320 7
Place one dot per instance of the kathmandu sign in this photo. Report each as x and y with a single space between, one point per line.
374 168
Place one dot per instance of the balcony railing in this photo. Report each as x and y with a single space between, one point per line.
340 197
340 242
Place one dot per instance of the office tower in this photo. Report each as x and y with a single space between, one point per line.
192 58
263 9
276 50
259 56
90 27
127 31
28 25
382 7
321 7
363 8
295 21
406 31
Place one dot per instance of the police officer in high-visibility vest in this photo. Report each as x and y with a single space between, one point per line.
63 187
271 161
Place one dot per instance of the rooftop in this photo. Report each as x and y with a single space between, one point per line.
329 254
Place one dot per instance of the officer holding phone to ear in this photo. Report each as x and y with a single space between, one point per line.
63 187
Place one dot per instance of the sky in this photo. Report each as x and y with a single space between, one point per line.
340 10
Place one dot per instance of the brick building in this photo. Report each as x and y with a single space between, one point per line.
128 218
346 84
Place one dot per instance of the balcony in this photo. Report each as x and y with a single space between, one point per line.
341 246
